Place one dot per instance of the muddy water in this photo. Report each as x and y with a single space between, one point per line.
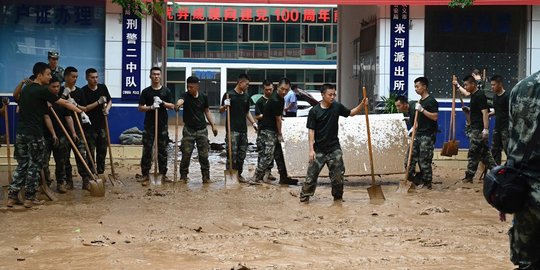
218 226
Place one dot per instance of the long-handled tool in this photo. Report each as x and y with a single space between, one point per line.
230 174
45 188
112 177
86 145
155 178
406 185
451 147
175 177
97 186
375 191
8 150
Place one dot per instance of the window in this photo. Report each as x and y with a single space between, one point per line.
182 31
277 33
197 31
214 32
231 32
313 33
253 32
315 75
293 33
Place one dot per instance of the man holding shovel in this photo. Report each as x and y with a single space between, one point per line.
271 136
238 104
155 97
424 141
29 144
196 109
324 147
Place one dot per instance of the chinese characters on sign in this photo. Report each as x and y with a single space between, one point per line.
251 14
399 49
131 57
58 14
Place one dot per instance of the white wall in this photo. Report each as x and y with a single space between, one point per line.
113 50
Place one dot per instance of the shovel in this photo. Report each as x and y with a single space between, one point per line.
8 150
175 175
86 146
155 179
451 147
112 177
375 191
405 185
45 188
97 186
230 174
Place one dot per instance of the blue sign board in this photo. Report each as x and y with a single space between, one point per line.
131 57
399 49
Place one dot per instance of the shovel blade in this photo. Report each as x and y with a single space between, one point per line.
405 187
115 181
231 176
155 179
97 188
375 193
450 148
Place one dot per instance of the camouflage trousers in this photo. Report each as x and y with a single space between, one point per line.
499 144
422 154
59 152
80 166
336 169
239 145
29 155
478 151
97 142
148 149
525 232
190 137
260 149
270 150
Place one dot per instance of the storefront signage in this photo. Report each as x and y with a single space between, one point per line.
399 49
251 14
131 57
55 14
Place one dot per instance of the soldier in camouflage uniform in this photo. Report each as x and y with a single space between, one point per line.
500 104
155 97
424 141
29 145
478 130
270 137
56 70
324 147
196 108
259 109
238 104
523 115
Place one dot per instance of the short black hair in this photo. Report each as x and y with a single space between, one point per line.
69 70
476 71
54 79
470 79
422 80
284 81
155 68
90 70
39 68
497 78
243 76
402 99
267 82
326 87
192 79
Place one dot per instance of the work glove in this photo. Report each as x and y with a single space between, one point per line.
155 105
66 92
72 101
5 101
409 132
406 118
85 119
176 108
227 102
419 107
105 111
485 133
157 99
102 100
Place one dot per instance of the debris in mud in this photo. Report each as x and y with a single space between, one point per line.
20 259
127 241
240 267
433 210
15 248
118 232
151 192
199 229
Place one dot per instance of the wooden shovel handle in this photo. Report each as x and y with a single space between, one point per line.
109 144
8 147
369 138
229 139
85 142
155 141
411 145
176 147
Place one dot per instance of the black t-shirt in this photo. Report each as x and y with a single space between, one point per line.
259 105
96 115
325 123
239 109
194 108
147 98
78 96
411 114
62 113
32 107
501 106
274 107
478 103
426 126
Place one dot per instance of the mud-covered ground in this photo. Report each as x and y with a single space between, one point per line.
218 226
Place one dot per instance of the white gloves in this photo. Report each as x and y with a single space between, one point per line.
102 100
157 103
85 119
72 101
409 132
485 133
419 107
66 92
227 102
157 100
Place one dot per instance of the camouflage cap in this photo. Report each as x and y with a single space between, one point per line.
53 54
